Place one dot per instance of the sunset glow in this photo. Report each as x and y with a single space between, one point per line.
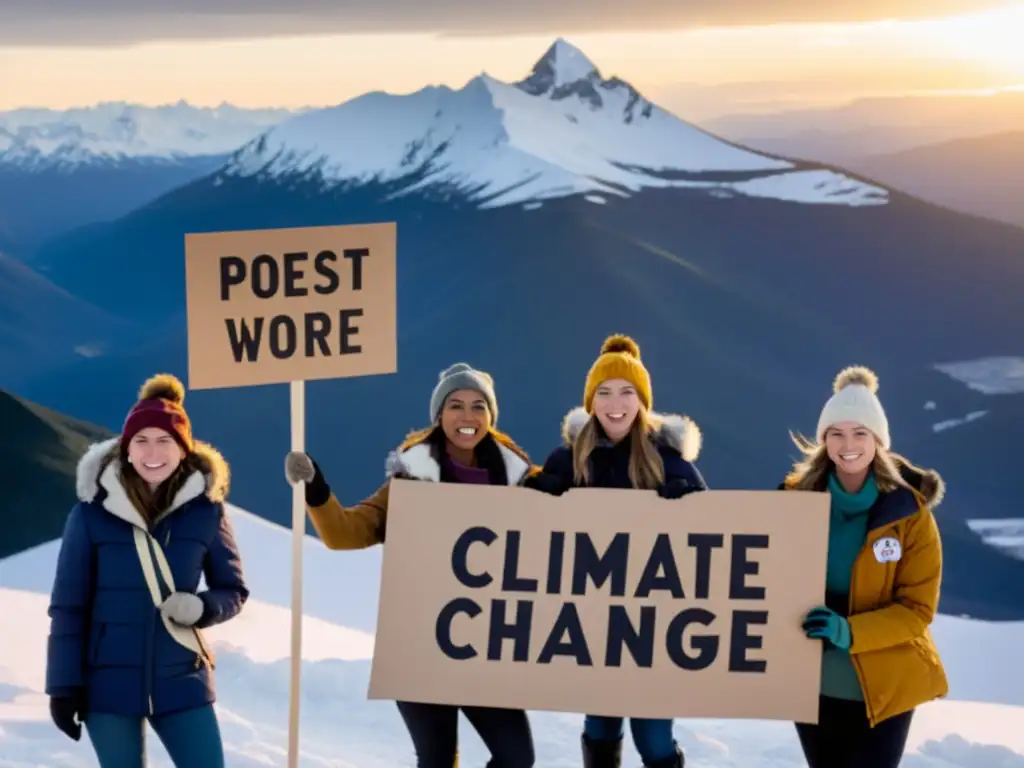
995 37
718 68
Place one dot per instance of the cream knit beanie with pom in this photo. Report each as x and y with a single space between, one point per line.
855 400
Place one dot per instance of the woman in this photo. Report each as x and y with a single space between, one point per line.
463 445
882 582
615 440
125 634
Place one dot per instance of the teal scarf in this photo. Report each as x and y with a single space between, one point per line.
848 530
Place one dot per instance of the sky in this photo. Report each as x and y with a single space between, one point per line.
702 57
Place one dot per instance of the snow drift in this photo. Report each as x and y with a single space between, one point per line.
340 728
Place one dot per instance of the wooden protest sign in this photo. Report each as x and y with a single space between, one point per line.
291 305
281 305
602 601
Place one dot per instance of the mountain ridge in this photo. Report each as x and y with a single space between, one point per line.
875 125
980 175
33 341
39 453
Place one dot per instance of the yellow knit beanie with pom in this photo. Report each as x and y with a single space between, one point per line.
619 359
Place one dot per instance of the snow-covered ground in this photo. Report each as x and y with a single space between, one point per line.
942 426
1006 535
562 131
988 375
995 377
341 728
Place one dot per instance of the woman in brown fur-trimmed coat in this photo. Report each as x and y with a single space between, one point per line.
461 446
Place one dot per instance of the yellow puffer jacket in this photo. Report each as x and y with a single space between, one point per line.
894 594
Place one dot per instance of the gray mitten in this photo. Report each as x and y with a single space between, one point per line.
298 468
183 608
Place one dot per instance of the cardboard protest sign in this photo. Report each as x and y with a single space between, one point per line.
281 305
602 601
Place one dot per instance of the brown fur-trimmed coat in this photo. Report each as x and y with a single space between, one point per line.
419 457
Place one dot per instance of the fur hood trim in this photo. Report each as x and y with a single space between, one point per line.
100 467
415 458
927 483
674 431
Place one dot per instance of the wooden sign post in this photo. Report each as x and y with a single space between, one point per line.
279 306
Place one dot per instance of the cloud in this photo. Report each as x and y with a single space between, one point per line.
122 22
955 751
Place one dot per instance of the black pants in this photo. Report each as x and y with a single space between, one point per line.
843 738
434 729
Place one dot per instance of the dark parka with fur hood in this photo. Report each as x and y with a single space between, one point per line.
677 438
107 634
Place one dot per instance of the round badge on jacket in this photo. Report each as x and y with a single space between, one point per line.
888 550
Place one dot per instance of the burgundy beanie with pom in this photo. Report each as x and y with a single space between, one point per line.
160 405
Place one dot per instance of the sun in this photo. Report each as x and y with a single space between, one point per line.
993 37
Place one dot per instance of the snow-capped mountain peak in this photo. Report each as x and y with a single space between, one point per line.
563 64
563 130
564 72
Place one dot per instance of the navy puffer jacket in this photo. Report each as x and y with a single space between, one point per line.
108 637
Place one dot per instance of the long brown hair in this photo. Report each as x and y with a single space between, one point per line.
811 472
646 469
151 503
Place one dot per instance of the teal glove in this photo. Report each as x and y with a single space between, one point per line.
825 624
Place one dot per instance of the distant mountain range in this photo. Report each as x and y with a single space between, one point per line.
534 218
112 132
874 126
962 151
39 450
62 169
563 132
983 175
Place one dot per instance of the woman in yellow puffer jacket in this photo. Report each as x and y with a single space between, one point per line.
882 585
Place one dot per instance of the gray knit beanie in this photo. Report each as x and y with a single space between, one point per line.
463 376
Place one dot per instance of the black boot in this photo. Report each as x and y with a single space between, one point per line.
675 761
601 754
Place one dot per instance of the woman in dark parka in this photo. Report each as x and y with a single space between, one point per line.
126 642
616 440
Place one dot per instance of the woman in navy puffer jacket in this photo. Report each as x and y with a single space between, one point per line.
125 639
616 440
